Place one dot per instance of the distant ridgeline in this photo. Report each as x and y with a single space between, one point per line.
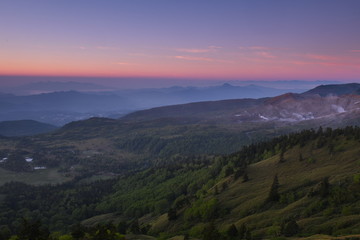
24 128
299 184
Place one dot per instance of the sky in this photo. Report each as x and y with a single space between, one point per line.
187 39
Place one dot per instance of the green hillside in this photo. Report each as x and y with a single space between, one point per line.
213 197
318 189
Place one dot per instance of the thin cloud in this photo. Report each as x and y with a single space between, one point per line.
259 51
199 50
355 51
138 54
260 48
123 63
193 50
256 48
321 57
106 48
202 59
215 47
191 58
324 63
265 54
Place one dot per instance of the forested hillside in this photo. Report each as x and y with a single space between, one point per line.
300 184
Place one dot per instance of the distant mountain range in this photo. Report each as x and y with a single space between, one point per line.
51 86
59 108
212 127
323 105
326 102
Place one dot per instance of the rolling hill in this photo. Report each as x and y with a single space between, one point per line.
335 89
24 128
216 127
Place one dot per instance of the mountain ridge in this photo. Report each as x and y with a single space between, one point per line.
24 128
334 89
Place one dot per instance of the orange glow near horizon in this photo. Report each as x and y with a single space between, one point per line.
181 39
258 62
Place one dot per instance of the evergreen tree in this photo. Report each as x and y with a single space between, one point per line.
282 159
216 190
245 177
32 231
210 232
290 228
248 235
121 227
186 236
324 188
232 231
134 227
172 214
242 231
274 191
5 232
78 231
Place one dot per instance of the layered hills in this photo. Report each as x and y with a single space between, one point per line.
216 127
198 168
59 103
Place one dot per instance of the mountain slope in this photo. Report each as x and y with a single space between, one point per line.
322 105
200 110
334 89
318 189
317 192
24 128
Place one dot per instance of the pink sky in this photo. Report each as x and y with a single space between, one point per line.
235 40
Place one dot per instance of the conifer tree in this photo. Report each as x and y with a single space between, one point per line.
274 191
232 231
172 214
242 231
290 228
245 177
324 187
282 159
210 232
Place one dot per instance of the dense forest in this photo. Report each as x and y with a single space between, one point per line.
204 196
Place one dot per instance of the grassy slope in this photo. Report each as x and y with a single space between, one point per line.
246 200
241 197
38 177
